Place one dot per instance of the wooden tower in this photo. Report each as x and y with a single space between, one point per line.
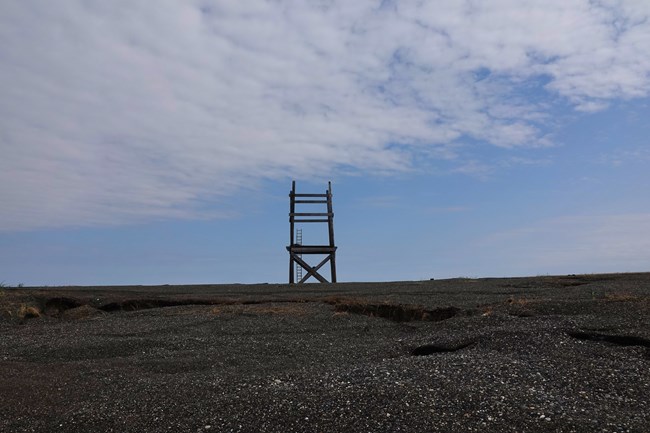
296 249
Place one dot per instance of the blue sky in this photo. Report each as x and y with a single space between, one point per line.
145 145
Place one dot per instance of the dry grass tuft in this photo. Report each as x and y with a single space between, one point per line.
348 300
292 309
82 312
620 297
28 312
522 302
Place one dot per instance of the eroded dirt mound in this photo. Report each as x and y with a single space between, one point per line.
392 311
81 312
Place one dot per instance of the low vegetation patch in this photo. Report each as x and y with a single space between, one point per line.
522 302
621 297
28 312
286 309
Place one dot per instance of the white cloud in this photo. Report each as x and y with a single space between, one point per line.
123 111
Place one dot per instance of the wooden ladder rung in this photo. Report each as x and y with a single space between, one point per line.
308 195
311 214
311 221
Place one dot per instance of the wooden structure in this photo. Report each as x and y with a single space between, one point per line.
299 242
297 250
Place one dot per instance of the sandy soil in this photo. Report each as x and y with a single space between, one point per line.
559 353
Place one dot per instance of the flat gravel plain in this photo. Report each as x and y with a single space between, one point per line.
539 354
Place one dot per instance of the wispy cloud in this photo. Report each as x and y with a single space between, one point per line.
581 243
119 111
381 202
448 209
477 169
627 156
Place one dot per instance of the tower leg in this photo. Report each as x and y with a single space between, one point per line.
333 267
291 267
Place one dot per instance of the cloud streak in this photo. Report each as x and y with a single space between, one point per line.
120 112
579 243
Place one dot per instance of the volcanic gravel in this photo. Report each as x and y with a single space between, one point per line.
557 353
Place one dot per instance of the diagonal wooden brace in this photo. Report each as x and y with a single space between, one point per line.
316 268
311 271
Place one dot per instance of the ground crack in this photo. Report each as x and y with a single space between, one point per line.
56 306
146 304
620 340
430 349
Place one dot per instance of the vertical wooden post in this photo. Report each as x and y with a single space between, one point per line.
292 210
330 224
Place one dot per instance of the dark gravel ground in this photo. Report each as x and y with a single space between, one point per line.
561 353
